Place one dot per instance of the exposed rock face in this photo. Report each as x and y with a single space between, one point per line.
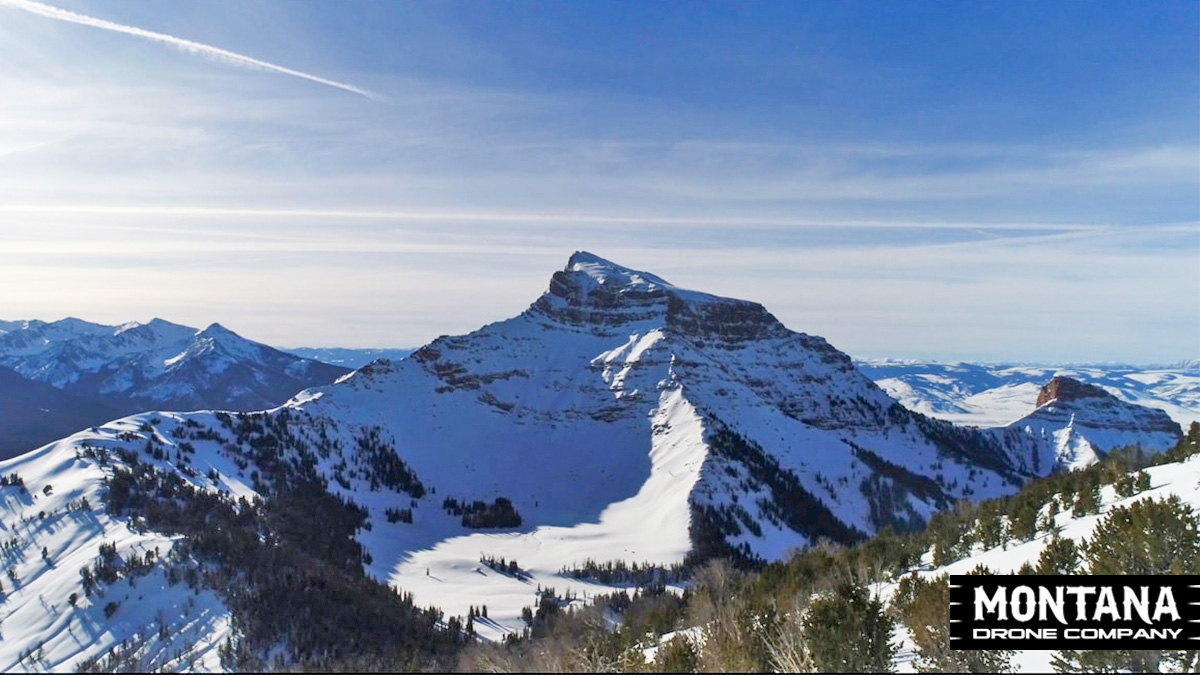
1066 389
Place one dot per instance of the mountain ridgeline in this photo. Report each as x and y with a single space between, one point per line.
618 419
104 372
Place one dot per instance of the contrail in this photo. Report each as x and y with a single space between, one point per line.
179 43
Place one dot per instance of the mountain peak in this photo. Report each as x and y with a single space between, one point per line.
216 330
610 275
601 293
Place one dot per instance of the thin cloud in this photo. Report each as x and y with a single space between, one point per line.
531 218
188 46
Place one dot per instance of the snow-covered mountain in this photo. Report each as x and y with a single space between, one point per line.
157 365
1079 423
565 408
994 395
619 418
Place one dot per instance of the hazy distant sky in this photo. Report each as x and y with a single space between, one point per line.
974 180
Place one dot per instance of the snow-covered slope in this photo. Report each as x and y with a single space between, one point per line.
557 409
619 418
159 364
993 395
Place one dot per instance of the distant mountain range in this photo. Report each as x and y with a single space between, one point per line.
619 419
104 372
347 358
994 395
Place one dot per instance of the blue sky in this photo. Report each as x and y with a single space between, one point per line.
990 181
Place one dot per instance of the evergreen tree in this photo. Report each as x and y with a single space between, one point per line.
1143 481
1023 517
990 529
1126 486
848 631
1146 537
1060 556
677 656
1087 500
924 607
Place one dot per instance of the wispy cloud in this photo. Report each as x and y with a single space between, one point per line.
216 53
526 217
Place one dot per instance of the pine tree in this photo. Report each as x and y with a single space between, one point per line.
1126 486
1023 518
990 529
677 656
1060 556
1146 537
1143 481
924 607
1087 500
848 631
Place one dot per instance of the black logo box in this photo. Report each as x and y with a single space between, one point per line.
1127 631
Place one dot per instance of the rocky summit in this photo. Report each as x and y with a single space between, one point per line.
1065 390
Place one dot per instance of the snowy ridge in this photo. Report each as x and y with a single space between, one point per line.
347 358
1122 407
